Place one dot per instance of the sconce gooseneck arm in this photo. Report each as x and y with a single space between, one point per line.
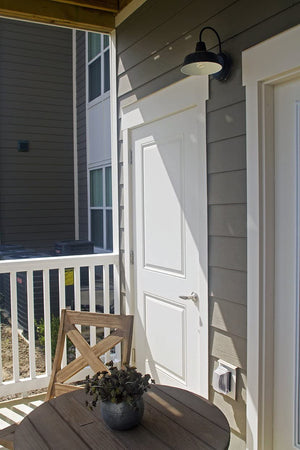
212 29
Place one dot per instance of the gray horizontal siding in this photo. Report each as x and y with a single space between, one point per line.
226 155
226 123
228 252
147 51
151 46
228 284
228 316
227 187
232 348
10 95
54 164
227 220
37 187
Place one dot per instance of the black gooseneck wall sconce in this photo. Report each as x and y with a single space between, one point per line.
202 62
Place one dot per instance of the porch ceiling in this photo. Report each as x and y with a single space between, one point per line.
94 15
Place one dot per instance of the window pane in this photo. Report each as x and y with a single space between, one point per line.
105 40
97 227
94 45
108 193
106 72
95 79
96 187
109 234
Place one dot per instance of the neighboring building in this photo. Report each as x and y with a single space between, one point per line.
36 182
94 153
39 195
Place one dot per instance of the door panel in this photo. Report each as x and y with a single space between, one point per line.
163 244
169 357
170 224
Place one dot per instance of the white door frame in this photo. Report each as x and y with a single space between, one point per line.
189 93
264 65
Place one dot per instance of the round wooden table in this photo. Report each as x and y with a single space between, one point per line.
173 418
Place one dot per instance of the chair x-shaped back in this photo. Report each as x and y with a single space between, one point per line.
122 326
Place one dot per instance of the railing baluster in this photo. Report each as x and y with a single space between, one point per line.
77 294
1 362
92 303
117 306
106 296
116 290
106 302
62 304
30 316
14 326
77 298
47 321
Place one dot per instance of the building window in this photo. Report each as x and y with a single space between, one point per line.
101 208
98 65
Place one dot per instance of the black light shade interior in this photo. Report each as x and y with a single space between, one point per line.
202 62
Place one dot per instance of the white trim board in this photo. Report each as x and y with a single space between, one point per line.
127 11
264 65
75 130
191 92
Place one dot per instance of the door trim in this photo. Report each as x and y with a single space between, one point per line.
191 92
262 69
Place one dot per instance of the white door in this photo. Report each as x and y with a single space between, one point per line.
170 217
287 235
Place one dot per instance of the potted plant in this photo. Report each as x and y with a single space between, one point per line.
120 392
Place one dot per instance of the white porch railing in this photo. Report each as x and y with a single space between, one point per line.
32 288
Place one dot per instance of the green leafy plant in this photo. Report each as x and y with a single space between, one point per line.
120 385
40 330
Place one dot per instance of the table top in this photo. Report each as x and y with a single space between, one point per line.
173 418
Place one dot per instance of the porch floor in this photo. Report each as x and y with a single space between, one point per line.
13 411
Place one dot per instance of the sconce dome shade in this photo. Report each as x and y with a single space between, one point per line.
201 63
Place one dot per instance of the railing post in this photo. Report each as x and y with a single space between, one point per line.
47 321
62 303
14 326
30 323
92 297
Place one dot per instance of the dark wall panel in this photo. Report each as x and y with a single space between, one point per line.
81 136
36 187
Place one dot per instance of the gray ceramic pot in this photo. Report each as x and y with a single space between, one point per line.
122 416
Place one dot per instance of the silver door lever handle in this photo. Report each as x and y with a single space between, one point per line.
193 297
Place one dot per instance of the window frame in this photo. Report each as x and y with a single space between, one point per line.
103 208
103 95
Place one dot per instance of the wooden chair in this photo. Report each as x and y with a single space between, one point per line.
7 436
90 356
121 326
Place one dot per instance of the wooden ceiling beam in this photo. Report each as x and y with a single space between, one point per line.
55 13
123 3
103 5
